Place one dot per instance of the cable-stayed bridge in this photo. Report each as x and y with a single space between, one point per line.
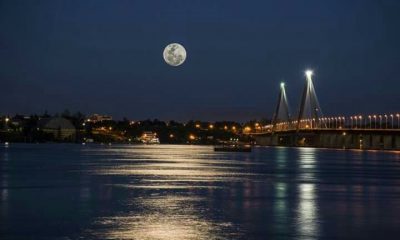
309 127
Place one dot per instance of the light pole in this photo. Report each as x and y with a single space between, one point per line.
369 117
6 120
351 125
391 116
360 117
386 121
398 120
375 121
355 117
380 121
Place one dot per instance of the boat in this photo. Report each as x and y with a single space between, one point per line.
233 148
149 138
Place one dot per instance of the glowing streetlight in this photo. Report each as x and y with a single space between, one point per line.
6 120
369 117
351 118
386 121
375 121
391 116
380 121
247 129
398 120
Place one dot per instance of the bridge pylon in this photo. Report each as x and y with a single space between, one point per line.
310 111
282 113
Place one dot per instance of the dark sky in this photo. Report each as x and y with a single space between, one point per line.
106 56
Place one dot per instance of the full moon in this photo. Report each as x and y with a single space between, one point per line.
174 54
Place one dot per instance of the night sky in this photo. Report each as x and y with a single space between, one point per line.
106 56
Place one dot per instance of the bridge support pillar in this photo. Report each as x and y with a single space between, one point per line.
366 142
397 142
376 142
387 142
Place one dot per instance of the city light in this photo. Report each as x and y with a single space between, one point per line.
309 73
247 129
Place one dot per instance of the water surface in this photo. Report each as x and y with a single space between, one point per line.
57 191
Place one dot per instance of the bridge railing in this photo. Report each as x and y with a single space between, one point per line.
367 122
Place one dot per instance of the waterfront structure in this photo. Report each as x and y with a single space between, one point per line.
99 118
282 112
60 128
312 128
149 138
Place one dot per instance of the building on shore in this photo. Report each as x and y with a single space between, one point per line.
99 118
62 129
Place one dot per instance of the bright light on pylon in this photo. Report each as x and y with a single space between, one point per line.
309 73
282 84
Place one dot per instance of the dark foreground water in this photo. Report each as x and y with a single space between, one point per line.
191 192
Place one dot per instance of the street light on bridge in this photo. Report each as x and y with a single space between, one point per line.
398 120
369 117
351 122
391 116
380 121
355 117
386 121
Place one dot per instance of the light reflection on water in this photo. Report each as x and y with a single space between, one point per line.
191 192
166 217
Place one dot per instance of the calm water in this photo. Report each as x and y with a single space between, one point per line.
191 192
